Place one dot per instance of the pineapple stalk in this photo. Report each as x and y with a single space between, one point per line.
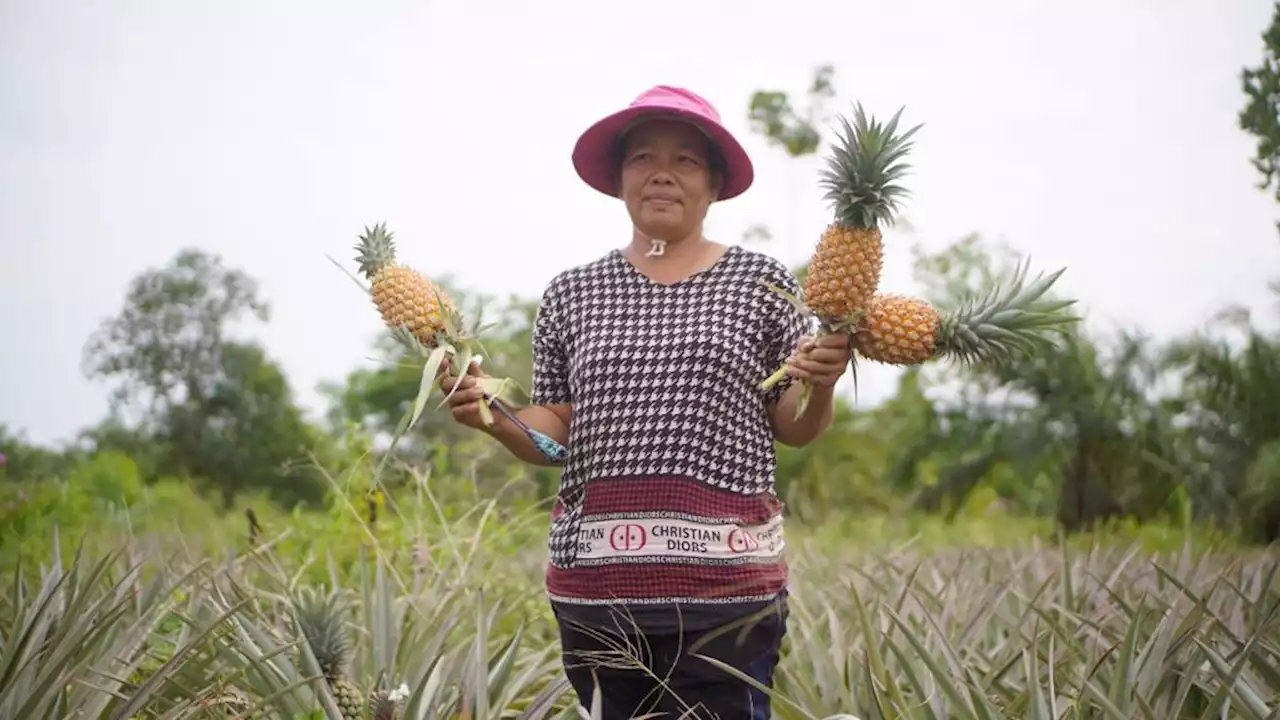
862 184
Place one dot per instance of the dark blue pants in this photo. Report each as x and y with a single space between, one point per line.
686 685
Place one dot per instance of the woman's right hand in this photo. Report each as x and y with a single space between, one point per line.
464 403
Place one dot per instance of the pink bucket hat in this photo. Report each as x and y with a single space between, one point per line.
595 152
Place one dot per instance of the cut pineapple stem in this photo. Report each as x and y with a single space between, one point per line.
827 328
775 378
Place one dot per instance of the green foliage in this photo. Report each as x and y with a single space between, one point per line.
1088 430
773 116
213 409
1260 116
166 344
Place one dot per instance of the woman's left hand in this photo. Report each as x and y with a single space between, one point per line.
821 361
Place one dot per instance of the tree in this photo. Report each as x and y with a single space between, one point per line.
1077 412
773 116
1230 402
26 462
1261 114
215 409
165 346
247 434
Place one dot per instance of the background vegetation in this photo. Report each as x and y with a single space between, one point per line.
1087 529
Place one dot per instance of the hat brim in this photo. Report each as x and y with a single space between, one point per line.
594 153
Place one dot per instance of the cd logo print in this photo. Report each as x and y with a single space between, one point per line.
628 537
741 541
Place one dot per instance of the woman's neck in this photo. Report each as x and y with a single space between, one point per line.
672 260
670 250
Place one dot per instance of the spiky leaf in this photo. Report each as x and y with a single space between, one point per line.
864 168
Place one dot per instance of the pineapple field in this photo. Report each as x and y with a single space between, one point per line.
436 612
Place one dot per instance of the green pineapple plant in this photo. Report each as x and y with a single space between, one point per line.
320 617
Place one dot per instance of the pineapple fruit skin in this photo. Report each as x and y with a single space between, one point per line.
381 705
349 698
844 272
899 330
404 297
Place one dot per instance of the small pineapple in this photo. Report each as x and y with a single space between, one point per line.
898 330
901 330
403 296
861 182
381 706
427 322
384 702
320 618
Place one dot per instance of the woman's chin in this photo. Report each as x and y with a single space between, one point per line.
661 228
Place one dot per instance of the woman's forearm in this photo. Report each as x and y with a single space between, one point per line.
797 432
550 422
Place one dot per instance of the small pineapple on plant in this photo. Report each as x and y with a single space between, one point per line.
385 702
1008 319
862 184
320 618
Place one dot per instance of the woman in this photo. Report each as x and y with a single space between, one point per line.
666 537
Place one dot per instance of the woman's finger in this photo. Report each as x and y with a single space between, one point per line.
828 356
815 367
465 396
834 340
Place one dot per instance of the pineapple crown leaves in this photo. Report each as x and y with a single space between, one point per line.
320 617
863 169
376 249
1011 317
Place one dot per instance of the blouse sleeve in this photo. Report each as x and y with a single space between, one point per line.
550 360
786 325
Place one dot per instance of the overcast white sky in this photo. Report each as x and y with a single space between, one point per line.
1100 136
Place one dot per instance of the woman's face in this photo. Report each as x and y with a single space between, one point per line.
666 179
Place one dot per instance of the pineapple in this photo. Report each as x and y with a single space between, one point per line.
422 316
403 297
900 330
381 705
384 702
861 182
320 617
